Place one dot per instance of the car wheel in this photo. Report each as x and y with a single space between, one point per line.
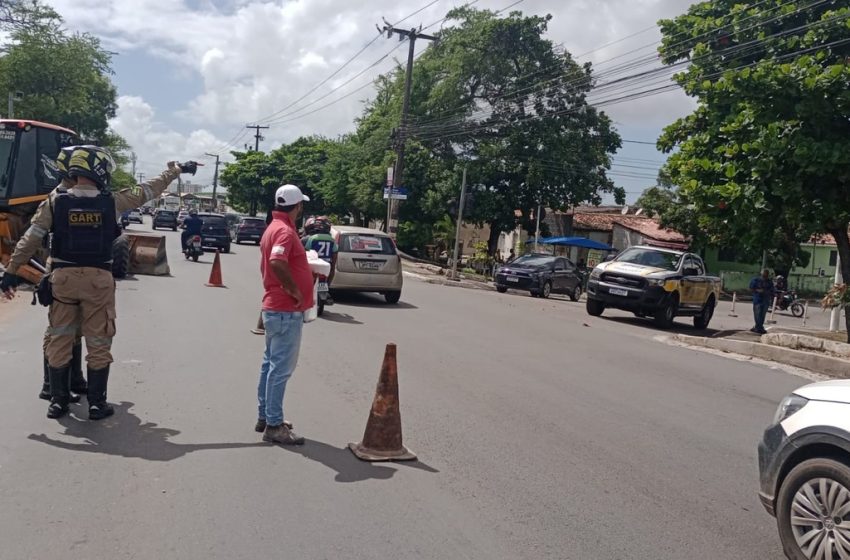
195 257
701 321
594 307
392 297
153 227
501 289
576 295
227 248
256 242
238 242
174 228
546 291
664 317
812 510
320 308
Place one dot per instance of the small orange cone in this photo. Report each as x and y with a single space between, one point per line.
382 439
215 273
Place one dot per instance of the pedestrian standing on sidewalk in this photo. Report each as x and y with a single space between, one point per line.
288 287
762 290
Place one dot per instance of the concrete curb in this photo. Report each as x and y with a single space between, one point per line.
827 365
468 284
805 342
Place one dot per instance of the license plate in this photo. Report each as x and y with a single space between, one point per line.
618 292
370 265
512 279
323 287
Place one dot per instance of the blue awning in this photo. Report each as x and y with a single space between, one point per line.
573 242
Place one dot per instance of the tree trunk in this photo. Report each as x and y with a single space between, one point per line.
493 241
842 240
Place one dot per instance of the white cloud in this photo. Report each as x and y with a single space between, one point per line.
155 143
254 58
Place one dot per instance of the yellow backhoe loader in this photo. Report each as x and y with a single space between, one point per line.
28 174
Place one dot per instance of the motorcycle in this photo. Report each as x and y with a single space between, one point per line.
324 295
788 300
193 248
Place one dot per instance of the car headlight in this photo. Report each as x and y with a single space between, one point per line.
789 405
595 273
655 281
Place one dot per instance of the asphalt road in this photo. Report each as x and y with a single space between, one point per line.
542 434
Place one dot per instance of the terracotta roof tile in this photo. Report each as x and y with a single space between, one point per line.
650 228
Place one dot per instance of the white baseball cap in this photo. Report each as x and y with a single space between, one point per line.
289 195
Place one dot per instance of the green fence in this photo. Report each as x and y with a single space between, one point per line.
806 285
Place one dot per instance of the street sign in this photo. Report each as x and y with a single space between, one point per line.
398 193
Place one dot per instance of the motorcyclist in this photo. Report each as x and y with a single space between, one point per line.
781 284
192 226
317 237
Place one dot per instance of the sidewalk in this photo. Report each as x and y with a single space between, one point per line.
808 349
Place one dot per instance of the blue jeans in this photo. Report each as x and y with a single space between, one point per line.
283 341
759 314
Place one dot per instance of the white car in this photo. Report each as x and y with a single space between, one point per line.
135 216
804 464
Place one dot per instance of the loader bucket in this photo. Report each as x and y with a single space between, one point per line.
147 254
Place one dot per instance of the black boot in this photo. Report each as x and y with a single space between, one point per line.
60 391
98 407
78 382
45 386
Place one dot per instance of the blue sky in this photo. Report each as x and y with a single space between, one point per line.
191 73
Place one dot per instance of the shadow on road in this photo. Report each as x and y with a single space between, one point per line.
677 328
124 435
368 300
348 467
340 318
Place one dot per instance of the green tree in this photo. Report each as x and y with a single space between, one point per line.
250 182
28 15
496 93
763 158
64 80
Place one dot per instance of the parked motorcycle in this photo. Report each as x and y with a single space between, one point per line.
193 248
789 300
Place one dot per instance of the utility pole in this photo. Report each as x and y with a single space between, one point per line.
537 232
398 175
215 179
133 159
835 315
141 178
257 136
456 256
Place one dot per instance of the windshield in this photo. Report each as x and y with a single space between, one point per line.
7 141
254 222
650 257
532 260
167 213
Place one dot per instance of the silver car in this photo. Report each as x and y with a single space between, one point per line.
367 262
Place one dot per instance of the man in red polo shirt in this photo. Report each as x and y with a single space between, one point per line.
288 284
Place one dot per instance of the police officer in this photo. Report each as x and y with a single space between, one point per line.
78 382
82 220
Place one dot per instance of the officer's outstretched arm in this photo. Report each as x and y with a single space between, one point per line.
41 223
133 197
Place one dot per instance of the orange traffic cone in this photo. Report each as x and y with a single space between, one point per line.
382 439
215 273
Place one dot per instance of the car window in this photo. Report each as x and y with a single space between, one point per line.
650 257
698 265
214 221
569 265
366 243
253 222
560 264
165 213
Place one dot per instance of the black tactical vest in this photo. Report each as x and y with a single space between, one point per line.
83 230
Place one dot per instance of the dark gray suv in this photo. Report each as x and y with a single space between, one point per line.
165 219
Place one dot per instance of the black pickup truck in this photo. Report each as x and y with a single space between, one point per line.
660 283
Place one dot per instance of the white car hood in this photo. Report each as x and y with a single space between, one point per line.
837 390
